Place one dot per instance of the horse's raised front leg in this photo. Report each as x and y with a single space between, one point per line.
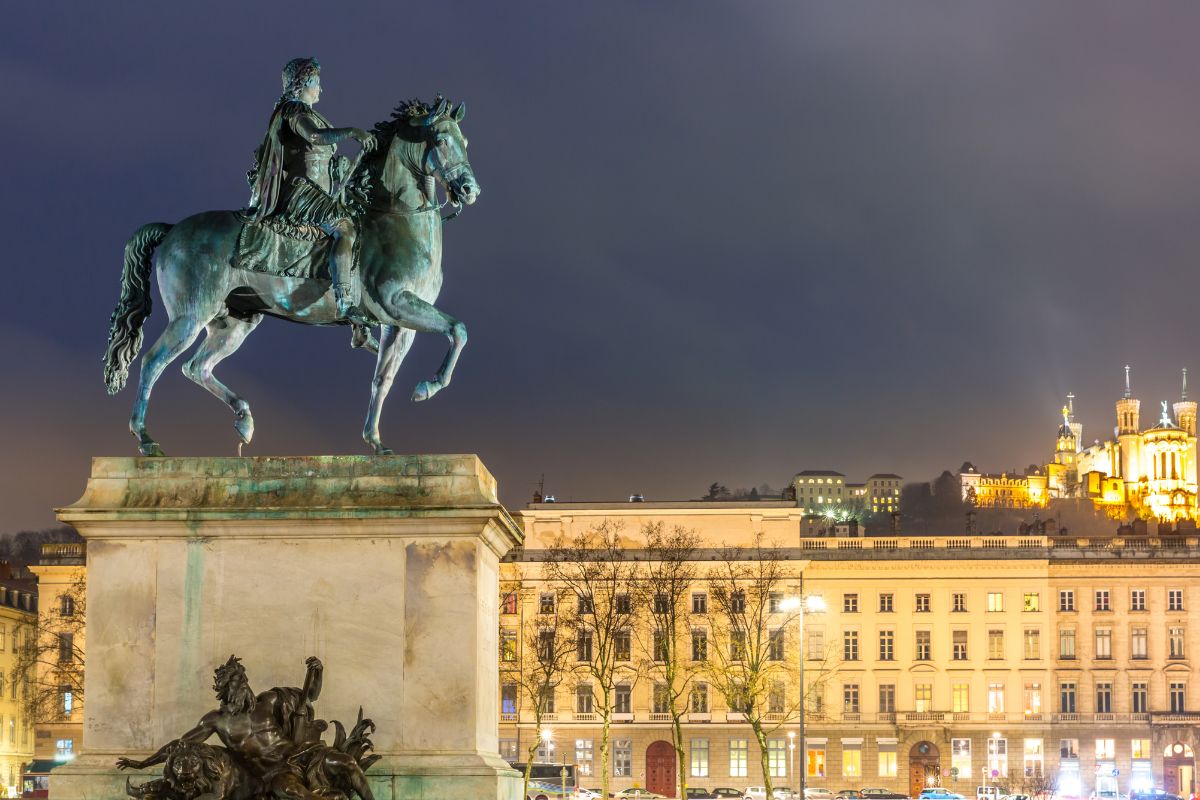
413 312
393 346
225 336
178 336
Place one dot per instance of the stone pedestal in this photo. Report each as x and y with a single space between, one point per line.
386 568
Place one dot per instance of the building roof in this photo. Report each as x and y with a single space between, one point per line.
821 472
891 475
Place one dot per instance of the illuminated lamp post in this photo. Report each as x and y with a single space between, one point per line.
803 605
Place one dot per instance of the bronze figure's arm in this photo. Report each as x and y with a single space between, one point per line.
304 126
312 681
195 736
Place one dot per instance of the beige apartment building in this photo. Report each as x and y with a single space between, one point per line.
58 735
18 611
955 660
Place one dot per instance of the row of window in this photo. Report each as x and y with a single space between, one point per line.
780 751
1031 645
922 602
960 698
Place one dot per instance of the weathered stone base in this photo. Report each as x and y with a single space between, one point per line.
451 777
386 568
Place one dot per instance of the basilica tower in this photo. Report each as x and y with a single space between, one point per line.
1185 417
1128 408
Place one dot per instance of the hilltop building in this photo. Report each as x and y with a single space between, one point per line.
1150 473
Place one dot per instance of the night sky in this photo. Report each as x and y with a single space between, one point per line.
715 242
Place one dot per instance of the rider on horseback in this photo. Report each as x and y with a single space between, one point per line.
294 175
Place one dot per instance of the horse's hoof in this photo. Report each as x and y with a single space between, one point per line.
424 391
244 425
151 449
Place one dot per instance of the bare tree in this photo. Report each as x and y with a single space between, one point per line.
673 654
595 567
49 660
1040 784
544 654
752 627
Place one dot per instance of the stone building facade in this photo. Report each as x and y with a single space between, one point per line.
957 660
18 612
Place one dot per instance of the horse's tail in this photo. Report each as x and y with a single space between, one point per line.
125 328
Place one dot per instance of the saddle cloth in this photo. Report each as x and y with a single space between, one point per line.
262 248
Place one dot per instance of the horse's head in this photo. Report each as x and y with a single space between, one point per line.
445 156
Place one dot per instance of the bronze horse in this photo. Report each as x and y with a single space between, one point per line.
400 264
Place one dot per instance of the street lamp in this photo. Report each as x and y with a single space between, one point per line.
792 754
803 605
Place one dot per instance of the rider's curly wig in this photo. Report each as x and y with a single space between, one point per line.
296 74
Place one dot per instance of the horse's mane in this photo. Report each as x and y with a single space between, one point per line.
397 125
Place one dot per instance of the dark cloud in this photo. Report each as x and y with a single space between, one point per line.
716 242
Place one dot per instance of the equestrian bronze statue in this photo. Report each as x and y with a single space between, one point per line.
271 748
324 241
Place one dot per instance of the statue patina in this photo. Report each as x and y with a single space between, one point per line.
323 242
272 748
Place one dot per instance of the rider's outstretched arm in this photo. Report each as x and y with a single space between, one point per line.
327 136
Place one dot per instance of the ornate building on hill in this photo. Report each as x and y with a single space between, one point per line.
1150 473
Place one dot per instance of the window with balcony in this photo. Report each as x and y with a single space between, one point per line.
1139 696
995 698
698 701
508 698
1033 697
1177 692
777 698
1103 697
960 698
923 697
583 699
1066 697
661 699
623 699
850 698
887 698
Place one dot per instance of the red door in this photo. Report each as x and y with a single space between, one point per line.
660 768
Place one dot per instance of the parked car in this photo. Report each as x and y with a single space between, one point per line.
938 793
725 793
587 794
1015 797
760 793
849 794
638 794
696 793
875 793
818 793
1153 794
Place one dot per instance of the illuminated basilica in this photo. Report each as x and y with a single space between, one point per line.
1151 472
